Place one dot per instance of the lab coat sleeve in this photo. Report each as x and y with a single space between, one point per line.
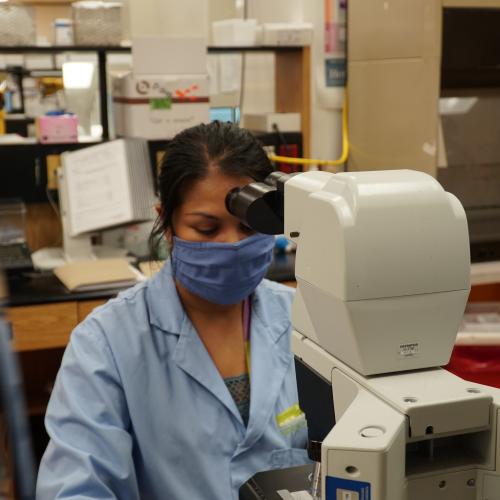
90 449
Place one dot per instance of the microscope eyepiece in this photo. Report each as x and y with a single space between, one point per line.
260 205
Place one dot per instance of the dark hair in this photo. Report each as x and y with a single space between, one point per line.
189 156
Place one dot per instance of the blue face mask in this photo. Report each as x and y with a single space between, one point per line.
222 273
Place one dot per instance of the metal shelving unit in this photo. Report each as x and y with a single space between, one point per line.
103 51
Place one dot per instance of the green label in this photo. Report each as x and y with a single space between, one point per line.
160 103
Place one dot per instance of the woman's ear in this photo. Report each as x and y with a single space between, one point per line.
169 236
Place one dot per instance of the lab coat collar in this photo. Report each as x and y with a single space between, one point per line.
168 314
270 350
192 357
272 315
270 361
165 308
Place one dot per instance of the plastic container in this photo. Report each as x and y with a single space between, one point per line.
12 221
63 32
476 355
17 24
234 32
97 23
61 129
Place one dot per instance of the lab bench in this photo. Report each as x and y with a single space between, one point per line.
42 314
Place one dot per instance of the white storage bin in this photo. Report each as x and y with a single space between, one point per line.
97 23
234 32
17 24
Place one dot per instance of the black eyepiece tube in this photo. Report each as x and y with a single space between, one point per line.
277 179
239 200
260 205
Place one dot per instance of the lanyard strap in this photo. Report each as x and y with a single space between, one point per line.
247 313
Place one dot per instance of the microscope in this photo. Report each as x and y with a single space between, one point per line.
382 271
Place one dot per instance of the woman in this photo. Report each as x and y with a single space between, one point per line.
179 388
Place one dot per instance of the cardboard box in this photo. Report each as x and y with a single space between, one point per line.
167 89
380 110
409 29
159 106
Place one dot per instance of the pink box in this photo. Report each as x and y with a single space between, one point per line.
57 129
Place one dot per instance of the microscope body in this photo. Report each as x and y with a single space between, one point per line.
382 272
406 436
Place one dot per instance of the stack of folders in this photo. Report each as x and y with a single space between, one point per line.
100 274
108 185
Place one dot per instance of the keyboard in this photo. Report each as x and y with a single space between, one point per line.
15 257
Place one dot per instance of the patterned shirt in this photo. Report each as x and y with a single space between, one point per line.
239 388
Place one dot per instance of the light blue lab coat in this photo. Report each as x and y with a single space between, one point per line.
139 409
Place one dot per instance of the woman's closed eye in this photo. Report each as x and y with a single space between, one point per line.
206 231
213 230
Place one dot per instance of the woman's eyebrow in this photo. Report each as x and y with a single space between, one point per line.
203 214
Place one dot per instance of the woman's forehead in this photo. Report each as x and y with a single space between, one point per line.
212 189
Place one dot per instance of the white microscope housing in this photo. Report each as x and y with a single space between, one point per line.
383 270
